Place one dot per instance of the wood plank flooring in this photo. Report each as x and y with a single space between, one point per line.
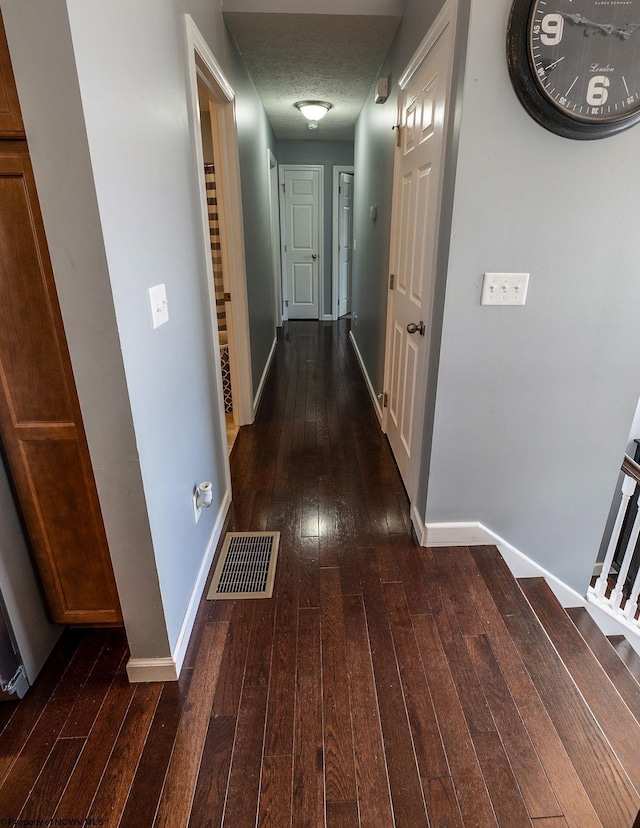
382 685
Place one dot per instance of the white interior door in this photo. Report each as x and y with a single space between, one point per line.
416 211
345 242
302 240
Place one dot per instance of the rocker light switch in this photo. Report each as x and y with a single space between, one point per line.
159 305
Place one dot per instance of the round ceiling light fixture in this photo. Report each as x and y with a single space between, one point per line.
314 111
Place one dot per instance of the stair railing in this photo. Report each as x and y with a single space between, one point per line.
624 608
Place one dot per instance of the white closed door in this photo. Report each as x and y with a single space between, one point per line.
416 209
345 242
302 241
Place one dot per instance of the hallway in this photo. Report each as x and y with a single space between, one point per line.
383 684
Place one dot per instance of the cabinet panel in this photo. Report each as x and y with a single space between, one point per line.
40 423
30 364
10 118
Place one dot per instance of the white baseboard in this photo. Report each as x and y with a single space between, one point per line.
521 566
418 526
168 669
263 378
151 669
327 317
456 534
374 398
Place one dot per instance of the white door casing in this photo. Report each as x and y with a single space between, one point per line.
345 242
301 211
275 235
415 224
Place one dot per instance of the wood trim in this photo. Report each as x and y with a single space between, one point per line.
152 669
367 379
203 65
40 420
11 125
274 212
263 378
335 265
444 18
184 636
198 44
631 468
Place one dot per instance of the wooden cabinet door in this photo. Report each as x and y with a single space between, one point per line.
11 125
40 424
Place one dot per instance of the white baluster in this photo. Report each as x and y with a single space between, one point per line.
632 601
628 488
616 594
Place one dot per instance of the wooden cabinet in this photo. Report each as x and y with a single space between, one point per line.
41 430
10 118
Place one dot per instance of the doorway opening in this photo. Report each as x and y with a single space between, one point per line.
213 115
424 105
221 290
274 215
342 241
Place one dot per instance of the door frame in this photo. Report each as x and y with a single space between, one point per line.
335 265
274 214
446 17
203 65
282 168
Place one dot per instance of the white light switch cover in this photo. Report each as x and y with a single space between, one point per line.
504 288
159 305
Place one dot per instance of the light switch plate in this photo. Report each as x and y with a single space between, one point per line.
159 305
504 288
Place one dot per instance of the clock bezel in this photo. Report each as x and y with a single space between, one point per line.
537 104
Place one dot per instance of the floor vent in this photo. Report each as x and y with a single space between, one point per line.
247 566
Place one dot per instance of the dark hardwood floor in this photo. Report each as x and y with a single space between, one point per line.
382 685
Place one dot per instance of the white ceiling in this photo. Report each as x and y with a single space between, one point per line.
329 57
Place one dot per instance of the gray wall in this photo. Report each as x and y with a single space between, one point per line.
20 592
255 136
529 408
534 404
52 109
109 128
374 153
329 153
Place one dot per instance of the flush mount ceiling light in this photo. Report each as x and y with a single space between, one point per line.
314 111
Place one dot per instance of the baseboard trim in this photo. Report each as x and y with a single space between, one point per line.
263 378
327 317
168 669
374 398
186 628
418 526
151 669
475 533
457 534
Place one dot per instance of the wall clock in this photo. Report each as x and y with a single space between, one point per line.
575 64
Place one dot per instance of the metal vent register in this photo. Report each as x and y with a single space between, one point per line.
247 566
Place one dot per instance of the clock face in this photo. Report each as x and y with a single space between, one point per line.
586 56
575 64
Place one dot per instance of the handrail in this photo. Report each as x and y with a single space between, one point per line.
630 467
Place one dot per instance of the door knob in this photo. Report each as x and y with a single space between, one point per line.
314 255
413 328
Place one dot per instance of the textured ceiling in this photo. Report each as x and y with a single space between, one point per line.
295 57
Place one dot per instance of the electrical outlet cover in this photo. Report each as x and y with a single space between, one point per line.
159 305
